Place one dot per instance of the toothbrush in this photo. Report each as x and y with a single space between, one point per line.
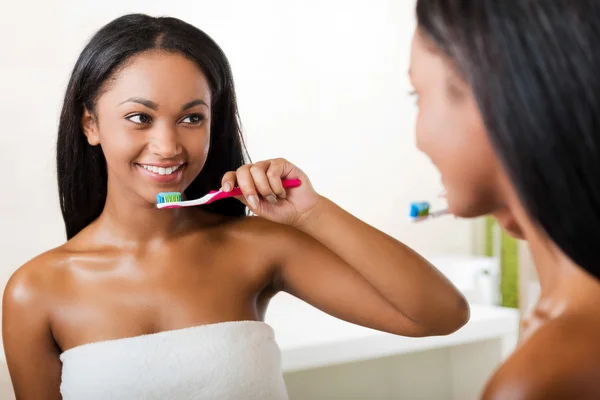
420 211
173 199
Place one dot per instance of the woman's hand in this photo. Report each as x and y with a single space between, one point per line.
264 194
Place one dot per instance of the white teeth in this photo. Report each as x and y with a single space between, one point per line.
161 170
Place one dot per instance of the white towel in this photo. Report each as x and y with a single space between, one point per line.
237 360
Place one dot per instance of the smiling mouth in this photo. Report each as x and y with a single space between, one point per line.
161 170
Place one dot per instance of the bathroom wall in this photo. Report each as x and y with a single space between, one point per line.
323 83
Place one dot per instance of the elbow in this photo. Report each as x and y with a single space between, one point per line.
448 319
458 317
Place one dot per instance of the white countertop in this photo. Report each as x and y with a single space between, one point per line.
310 338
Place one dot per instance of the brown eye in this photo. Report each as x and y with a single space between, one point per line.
194 119
139 118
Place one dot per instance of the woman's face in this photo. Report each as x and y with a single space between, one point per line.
451 132
153 122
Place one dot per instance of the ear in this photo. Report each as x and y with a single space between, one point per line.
90 127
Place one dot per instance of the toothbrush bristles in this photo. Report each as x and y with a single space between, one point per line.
168 197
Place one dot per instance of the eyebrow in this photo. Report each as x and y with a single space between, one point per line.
197 102
152 105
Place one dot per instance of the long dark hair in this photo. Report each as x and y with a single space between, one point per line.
534 67
82 173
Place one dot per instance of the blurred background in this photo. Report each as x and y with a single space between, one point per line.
324 84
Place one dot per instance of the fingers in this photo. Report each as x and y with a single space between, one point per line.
228 182
274 174
261 181
246 184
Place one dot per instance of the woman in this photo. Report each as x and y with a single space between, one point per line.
509 112
147 303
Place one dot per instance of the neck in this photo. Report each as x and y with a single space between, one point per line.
564 285
561 280
551 265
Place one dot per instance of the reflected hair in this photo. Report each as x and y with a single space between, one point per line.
81 168
534 68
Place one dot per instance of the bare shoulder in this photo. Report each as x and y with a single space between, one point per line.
559 361
33 282
257 229
32 355
267 245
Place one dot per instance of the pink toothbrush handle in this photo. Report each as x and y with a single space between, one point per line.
287 184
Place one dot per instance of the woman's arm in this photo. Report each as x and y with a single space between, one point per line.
345 267
31 353
388 279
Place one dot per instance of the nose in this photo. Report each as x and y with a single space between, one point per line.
165 142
